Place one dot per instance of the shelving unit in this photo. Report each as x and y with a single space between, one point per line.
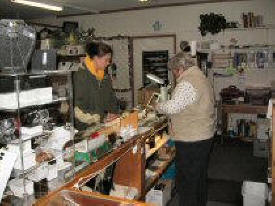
155 62
151 182
38 161
162 141
241 108
249 28
70 58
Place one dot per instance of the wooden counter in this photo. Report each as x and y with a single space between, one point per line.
130 161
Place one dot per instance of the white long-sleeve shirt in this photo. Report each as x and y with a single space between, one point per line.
183 95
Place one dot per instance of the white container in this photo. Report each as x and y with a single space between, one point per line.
159 197
96 142
19 189
252 200
26 147
254 193
28 161
52 172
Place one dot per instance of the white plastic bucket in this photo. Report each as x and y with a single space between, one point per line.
254 193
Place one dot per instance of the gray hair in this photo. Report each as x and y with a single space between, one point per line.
182 61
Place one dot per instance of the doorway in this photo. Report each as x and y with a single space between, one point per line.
148 44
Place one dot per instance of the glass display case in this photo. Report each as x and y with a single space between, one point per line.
36 135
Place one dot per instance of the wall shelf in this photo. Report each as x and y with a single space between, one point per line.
249 28
151 182
159 144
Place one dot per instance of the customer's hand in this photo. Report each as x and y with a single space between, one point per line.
152 106
86 117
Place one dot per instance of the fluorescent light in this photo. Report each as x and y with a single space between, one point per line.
40 5
155 78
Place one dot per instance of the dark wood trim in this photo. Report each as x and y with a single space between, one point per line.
77 14
244 108
174 36
166 5
148 7
131 68
44 25
123 90
119 37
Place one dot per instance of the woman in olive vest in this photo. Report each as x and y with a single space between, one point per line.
94 98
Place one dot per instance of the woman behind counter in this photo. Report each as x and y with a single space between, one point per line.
93 94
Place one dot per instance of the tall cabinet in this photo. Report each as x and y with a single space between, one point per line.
36 124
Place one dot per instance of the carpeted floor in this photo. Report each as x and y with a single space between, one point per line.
230 164
224 191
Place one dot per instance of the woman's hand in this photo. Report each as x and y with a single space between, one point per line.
110 117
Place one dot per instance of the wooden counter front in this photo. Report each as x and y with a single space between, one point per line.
83 198
129 171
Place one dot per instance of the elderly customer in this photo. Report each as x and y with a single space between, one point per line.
191 109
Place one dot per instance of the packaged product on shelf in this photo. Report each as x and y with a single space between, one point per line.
19 188
30 97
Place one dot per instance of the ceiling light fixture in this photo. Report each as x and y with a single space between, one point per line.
40 5
143 0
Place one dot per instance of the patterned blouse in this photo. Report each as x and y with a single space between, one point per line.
183 95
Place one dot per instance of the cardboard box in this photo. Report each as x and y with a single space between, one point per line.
160 197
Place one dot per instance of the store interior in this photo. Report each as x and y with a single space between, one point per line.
55 151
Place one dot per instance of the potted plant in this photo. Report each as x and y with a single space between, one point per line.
212 23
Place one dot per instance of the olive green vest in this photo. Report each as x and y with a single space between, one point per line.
92 95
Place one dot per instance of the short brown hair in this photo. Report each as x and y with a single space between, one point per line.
98 49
